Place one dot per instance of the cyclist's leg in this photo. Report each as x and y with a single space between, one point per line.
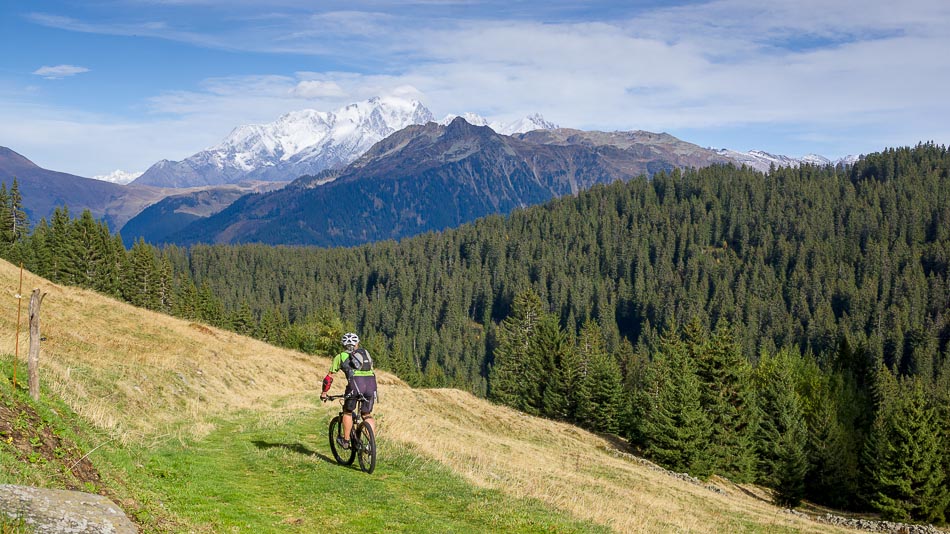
368 387
368 418
348 406
347 424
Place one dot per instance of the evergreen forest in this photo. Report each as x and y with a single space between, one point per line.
788 328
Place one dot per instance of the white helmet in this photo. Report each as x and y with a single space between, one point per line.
350 339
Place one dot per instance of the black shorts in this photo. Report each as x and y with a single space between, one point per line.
365 385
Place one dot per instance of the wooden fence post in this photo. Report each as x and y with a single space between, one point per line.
33 361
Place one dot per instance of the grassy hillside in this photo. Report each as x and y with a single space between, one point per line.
203 430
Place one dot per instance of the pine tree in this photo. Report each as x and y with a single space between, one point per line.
904 456
143 285
782 431
164 290
676 429
271 327
6 223
209 308
830 477
64 255
515 375
941 404
186 302
599 390
728 400
242 320
560 365
86 237
20 222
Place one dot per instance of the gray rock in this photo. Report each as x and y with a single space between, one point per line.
63 512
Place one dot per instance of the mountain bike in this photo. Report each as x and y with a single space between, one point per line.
362 437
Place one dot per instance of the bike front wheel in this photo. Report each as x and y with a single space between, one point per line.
343 456
365 443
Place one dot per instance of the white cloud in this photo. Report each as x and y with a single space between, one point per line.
317 89
59 71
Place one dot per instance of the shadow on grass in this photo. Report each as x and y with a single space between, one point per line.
293 447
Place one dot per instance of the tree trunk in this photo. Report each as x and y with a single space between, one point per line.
33 361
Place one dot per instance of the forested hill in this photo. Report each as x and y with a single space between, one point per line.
804 257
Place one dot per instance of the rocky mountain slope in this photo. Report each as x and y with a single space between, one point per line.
433 177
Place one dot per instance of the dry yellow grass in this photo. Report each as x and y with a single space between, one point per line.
142 375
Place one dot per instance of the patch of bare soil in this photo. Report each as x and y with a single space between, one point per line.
24 432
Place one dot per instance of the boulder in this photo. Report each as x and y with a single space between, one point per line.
63 512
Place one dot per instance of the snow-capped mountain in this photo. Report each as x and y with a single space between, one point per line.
523 125
760 160
118 177
298 143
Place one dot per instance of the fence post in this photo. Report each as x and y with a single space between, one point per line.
33 361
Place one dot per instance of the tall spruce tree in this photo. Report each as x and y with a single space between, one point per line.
20 223
675 428
941 404
599 389
560 366
782 432
728 400
6 224
904 457
516 373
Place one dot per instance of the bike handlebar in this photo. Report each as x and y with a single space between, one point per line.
345 396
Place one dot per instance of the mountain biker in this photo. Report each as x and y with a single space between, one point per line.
357 365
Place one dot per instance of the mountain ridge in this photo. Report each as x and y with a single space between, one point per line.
432 177
308 142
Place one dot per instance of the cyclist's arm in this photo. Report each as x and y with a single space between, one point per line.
334 367
337 362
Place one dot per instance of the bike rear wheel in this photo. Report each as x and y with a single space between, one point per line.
343 456
366 448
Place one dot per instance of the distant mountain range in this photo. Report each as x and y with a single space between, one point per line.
307 142
387 149
432 177
44 190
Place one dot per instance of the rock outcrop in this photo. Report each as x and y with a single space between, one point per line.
62 511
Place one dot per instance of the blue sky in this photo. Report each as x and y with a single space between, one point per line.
91 86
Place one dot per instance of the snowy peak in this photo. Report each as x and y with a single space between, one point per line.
527 124
118 177
472 118
297 132
523 125
763 161
300 142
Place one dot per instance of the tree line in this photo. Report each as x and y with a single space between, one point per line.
790 328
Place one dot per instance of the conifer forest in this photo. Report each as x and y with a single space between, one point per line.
789 328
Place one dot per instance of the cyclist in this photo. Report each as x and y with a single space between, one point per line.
357 365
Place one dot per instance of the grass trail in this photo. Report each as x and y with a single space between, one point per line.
249 475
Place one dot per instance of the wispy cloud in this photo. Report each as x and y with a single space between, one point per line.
59 71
